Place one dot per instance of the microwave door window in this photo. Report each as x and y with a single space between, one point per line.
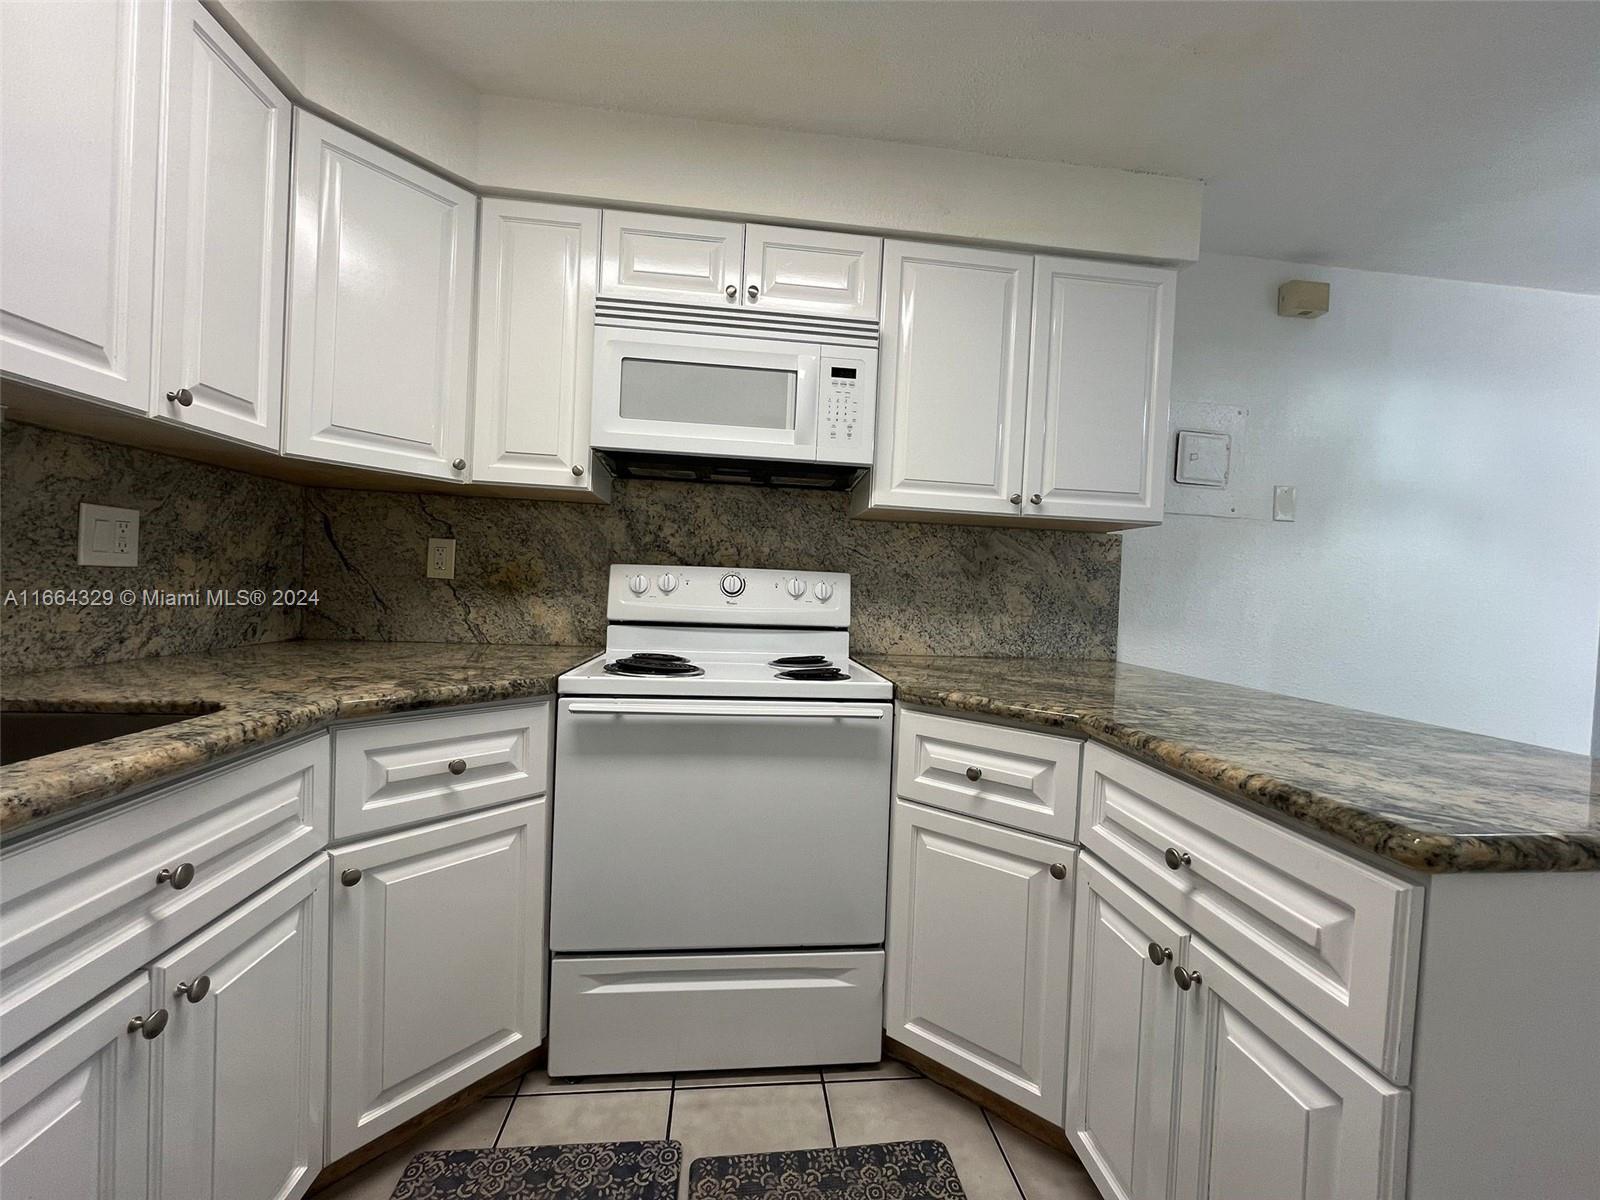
703 394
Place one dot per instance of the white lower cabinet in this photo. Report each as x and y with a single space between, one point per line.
437 964
979 949
75 1105
1124 1035
1271 1107
242 1067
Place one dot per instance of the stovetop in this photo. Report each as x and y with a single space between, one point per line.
725 675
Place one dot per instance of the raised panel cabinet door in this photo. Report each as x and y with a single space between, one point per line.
812 271
80 120
1122 1045
377 371
980 952
683 260
224 237
535 360
1270 1106
437 972
243 1065
1097 390
952 375
75 1105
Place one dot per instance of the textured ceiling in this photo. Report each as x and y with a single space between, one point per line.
1459 140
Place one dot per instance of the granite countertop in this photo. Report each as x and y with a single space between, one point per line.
1432 799
244 698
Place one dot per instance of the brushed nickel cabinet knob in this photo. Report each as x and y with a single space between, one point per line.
577 470
1016 497
1185 979
458 766
731 291
182 397
460 464
149 1028
1159 954
350 876
753 292
195 990
1035 499
180 876
974 774
1058 870
1176 858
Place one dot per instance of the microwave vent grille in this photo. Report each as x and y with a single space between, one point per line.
735 322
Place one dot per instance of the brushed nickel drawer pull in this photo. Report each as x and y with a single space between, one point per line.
180 876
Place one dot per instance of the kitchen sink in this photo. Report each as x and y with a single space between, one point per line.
31 733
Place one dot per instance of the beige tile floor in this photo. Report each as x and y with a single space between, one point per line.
749 1112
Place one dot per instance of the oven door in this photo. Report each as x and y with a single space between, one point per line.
719 824
700 393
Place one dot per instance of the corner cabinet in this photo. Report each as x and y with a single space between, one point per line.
223 237
535 347
377 371
1020 390
80 118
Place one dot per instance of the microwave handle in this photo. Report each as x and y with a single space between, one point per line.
807 389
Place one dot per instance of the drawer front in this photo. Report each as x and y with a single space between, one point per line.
1012 777
700 1012
391 774
1335 938
91 904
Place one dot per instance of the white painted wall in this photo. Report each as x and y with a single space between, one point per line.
1444 438
328 56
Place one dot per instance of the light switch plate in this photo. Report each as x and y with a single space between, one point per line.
441 558
1283 502
1202 458
107 537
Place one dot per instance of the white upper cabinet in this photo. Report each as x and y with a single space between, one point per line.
812 271
648 256
80 123
224 237
380 304
75 1104
1256 1076
952 382
244 1061
535 356
1097 390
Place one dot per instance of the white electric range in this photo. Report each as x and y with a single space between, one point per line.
721 825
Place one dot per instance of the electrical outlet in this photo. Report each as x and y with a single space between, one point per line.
441 558
107 537
1283 501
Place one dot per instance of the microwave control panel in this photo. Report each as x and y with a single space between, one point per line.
847 400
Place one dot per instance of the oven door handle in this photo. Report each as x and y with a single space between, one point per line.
748 708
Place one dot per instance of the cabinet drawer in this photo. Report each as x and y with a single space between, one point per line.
89 905
698 1012
391 774
1013 777
1335 938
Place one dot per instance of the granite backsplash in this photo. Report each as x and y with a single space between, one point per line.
527 571
199 527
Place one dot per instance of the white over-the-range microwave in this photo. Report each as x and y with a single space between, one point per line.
679 380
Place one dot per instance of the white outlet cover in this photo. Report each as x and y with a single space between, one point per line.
107 537
441 562
1283 502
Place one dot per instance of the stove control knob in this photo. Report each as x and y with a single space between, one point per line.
668 582
797 588
638 584
732 585
824 591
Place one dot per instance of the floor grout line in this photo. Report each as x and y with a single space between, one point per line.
1004 1157
501 1132
827 1107
672 1100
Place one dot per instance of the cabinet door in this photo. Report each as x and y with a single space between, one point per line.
75 1106
437 965
224 236
980 949
1097 390
80 118
812 271
380 305
536 283
952 370
1121 1065
1270 1106
648 256
243 1069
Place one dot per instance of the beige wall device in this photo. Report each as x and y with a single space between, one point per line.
1302 298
